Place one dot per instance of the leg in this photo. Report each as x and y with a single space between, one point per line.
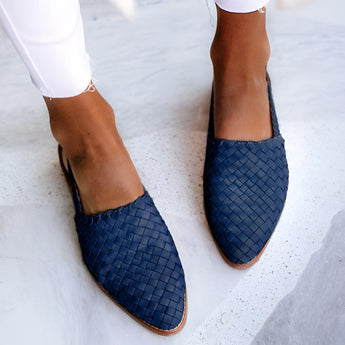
84 126
240 53
49 37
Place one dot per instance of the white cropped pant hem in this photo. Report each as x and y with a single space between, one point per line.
49 37
241 6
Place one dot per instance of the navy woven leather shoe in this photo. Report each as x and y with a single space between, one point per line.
132 256
245 186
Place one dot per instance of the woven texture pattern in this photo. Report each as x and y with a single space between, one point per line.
245 186
131 254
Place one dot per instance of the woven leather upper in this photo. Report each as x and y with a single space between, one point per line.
131 254
245 186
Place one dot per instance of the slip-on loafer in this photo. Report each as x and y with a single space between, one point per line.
130 253
245 187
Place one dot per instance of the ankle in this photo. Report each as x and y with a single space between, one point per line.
83 124
80 142
244 62
240 47
85 150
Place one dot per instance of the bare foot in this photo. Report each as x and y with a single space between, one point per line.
239 53
85 128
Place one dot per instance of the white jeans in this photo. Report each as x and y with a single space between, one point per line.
49 36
